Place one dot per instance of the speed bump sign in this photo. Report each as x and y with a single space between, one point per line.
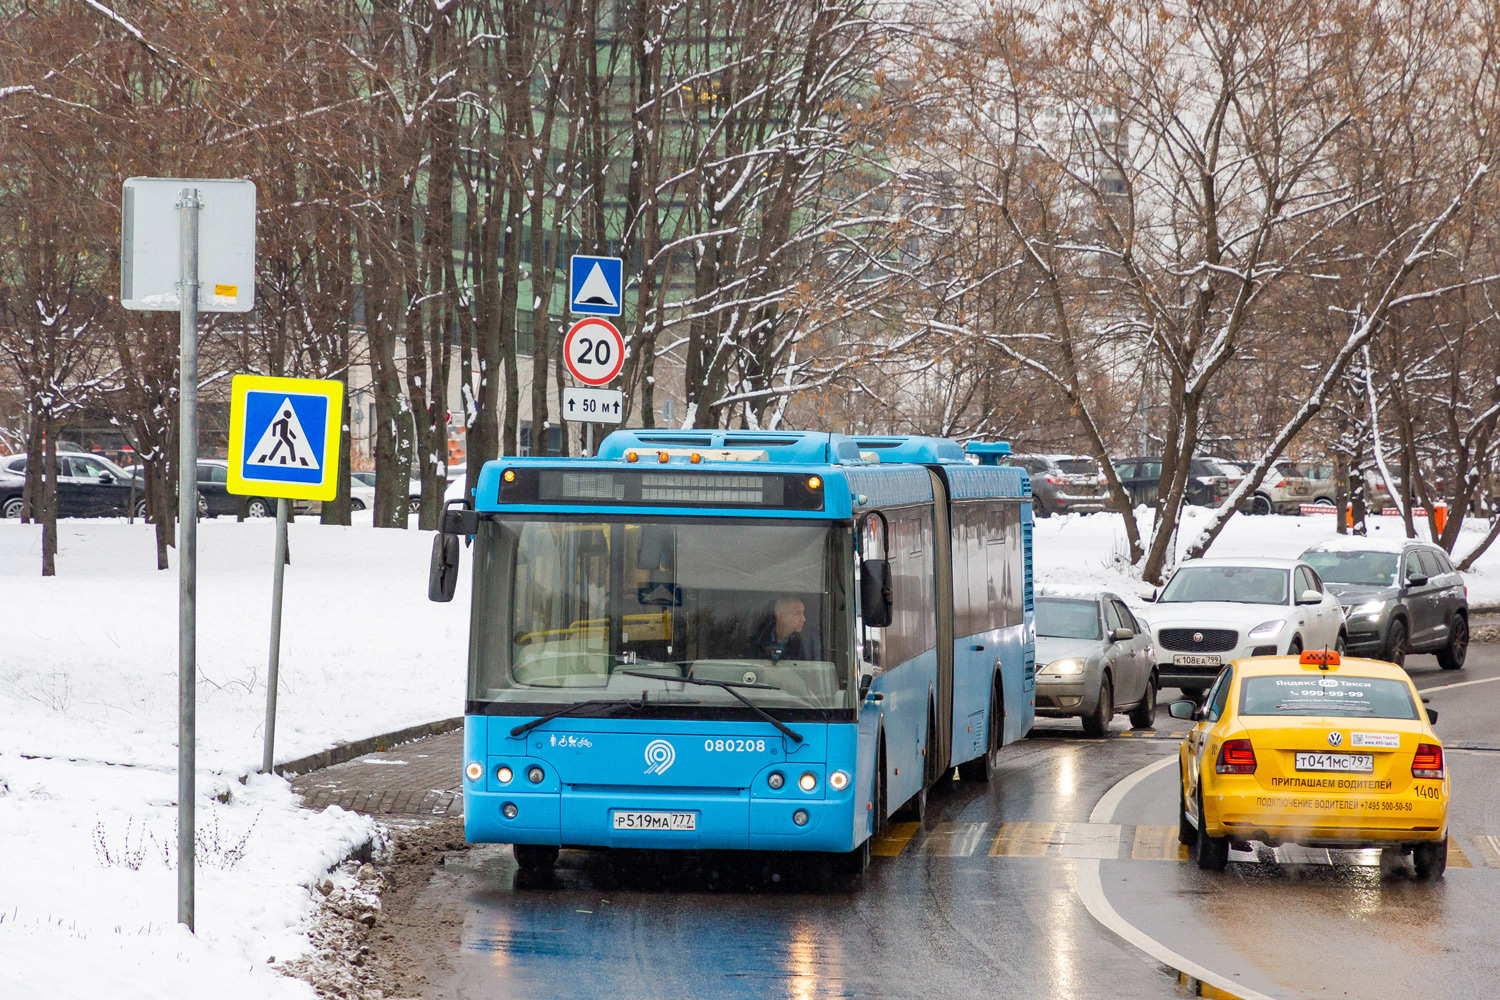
284 437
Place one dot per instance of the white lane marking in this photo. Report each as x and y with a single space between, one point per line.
1460 684
1104 812
1090 888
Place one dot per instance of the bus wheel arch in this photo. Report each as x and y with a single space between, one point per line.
980 768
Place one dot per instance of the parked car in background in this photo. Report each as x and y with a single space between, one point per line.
1209 479
1096 659
87 486
1280 492
1063 484
1400 597
1212 611
413 491
1322 486
12 487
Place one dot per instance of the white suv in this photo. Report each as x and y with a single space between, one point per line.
1215 610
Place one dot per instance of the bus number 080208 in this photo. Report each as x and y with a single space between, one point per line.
735 746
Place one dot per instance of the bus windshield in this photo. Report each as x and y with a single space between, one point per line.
571 608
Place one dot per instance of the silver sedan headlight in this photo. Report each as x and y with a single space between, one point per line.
1066 667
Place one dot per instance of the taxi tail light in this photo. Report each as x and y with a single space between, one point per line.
1428 762
1236 757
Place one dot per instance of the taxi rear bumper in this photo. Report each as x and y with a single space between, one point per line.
1329 820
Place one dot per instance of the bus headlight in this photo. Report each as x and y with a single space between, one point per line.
504 773
807 782
800 817
474 771
535 775
838 781
776 779
510 810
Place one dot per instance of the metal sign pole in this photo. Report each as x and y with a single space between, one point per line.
588 450
187 555
282 506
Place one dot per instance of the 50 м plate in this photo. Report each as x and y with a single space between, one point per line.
638 820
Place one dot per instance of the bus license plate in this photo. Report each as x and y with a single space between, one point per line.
655 820
1359 763
1197 660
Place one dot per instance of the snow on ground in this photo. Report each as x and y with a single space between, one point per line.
88 745
88 695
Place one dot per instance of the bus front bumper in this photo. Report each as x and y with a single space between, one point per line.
720 819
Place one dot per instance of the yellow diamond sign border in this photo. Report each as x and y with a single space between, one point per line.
324 490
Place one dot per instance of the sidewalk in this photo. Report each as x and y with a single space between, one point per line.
417 781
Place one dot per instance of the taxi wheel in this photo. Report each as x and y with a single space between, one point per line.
1430 859
1213 852
1143 716
535 856
1451 656
1096 723
1187 834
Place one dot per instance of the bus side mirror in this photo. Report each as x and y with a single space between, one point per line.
875 592
442 577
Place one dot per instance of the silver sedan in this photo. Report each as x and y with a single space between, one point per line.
1095 659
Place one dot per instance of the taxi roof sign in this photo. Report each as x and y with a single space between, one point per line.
284 437
1321 658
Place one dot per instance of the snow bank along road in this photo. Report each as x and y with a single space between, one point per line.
88 751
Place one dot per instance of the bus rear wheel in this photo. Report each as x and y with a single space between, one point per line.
980 768
535 857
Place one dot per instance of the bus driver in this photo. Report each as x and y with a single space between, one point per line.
781 637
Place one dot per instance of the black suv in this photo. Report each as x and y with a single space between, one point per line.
1209 479
1398 599
1063 484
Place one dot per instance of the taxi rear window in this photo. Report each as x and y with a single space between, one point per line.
1326 695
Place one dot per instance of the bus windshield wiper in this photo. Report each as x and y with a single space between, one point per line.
527 727
729 686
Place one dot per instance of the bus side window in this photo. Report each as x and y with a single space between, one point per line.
871 546
979 574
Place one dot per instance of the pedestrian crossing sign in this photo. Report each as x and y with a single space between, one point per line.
284 437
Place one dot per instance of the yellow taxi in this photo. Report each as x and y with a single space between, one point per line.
1318 750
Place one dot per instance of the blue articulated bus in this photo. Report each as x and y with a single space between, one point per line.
737 640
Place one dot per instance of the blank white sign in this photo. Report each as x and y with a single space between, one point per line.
150 238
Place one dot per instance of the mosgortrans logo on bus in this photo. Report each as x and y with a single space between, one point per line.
659 756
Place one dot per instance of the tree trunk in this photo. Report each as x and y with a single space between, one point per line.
49 494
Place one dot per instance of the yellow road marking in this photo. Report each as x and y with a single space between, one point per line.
1489 849
1456 856
893 839
1022 840
954 840
1157 843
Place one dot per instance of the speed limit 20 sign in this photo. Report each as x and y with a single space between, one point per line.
594 351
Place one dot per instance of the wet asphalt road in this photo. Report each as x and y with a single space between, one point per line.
983 899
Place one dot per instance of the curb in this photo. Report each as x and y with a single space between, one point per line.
342 752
